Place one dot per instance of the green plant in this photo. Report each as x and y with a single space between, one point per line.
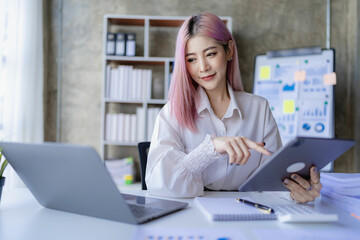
3 165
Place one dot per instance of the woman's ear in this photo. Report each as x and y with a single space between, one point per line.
230 51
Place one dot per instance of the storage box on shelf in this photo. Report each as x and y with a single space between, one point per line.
135 87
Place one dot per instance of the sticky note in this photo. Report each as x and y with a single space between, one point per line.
265 72
330 79
128 179
289 106
300 76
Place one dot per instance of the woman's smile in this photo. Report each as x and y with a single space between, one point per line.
208 77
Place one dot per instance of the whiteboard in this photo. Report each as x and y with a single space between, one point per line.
299 92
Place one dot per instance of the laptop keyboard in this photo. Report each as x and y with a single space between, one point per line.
302 213
141 211
294 209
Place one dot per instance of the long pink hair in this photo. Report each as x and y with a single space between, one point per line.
182 93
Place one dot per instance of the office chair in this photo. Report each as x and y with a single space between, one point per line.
143 148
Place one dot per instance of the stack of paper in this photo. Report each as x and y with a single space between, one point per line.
343 190
121 170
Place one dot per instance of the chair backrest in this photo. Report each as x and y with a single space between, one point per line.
143 148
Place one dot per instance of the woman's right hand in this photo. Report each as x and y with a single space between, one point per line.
238 148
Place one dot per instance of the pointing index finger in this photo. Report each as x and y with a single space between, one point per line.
255 146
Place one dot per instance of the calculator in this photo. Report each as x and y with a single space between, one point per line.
302 213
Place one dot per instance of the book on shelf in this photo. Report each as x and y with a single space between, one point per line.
133 130
120 128
130 128
107 81
130 44
114 127
113 83
126 83
152 115
140 117
110 44
127 127
229 209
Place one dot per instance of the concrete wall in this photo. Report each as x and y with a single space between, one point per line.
258 26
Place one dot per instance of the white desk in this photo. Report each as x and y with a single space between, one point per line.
21 217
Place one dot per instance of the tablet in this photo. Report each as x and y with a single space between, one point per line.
297 156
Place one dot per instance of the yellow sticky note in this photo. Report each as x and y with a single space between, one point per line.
330 79
289 106
128 179
265 72
300 76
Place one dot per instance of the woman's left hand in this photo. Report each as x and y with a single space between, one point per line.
302 190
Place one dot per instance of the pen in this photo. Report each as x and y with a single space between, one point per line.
256 205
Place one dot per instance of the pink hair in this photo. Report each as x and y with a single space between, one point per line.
182 93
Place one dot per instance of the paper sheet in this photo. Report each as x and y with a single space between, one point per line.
298 234
187 234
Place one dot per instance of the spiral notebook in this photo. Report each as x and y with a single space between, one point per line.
229 209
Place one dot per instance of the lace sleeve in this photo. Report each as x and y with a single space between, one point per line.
201 157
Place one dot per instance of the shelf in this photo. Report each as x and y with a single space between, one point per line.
128 21
157 101
171 22
167 23
139 60
109 100
149 101
154 21
130 144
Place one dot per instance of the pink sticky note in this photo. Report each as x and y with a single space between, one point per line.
300 76
330 79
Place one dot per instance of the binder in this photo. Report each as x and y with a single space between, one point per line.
120 44
110 44
130 44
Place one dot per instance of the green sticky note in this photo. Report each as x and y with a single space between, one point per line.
289 106
265 72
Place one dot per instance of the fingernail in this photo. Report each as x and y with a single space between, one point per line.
315 169
286 181
293 176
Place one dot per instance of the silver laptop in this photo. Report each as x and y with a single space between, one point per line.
74 179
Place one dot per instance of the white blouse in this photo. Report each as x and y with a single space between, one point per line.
181 163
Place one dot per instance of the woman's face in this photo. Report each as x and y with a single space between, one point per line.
206 61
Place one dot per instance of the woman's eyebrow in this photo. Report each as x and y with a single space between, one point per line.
206 49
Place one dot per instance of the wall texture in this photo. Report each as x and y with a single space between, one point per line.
258 26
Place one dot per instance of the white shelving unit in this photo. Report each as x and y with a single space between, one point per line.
145 27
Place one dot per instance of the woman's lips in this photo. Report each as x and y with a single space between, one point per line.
209 77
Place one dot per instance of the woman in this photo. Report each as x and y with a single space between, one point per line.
212 134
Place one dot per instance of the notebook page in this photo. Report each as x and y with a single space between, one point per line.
229 209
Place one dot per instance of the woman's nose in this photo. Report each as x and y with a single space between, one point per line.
204 66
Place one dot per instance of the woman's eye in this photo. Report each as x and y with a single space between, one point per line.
211 54
190 60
